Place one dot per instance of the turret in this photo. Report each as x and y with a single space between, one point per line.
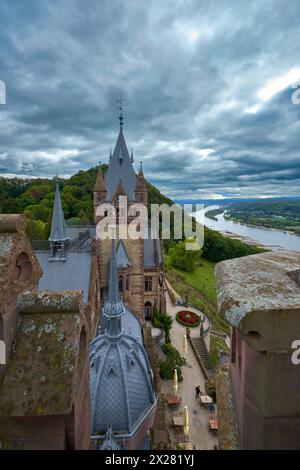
100 193
141 191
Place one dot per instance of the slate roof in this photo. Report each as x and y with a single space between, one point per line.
121 383
72 274
123 260
120 168
74 232
58 220
130 324
122 391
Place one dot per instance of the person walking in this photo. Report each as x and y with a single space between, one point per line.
198 391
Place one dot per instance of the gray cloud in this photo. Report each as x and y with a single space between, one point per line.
190 73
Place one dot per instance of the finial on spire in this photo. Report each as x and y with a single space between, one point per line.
131 156
141 166
120 106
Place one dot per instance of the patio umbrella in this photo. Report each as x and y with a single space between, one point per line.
186 421
185 345
175 381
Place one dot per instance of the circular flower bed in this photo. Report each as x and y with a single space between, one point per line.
187 318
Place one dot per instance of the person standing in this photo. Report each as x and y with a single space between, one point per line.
198 391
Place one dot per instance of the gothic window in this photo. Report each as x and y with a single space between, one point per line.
148 310
148 283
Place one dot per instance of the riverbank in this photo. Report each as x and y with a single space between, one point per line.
263 237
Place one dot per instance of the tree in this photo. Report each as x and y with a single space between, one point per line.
181 258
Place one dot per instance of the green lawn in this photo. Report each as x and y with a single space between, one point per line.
202 279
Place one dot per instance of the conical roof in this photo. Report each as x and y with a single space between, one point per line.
120 168
58 219
100 185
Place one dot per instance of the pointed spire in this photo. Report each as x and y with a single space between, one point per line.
113 281
141 167
100 184
113 308
58 219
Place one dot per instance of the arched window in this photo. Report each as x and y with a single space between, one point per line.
148 310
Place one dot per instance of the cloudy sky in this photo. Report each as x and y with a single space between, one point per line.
207 88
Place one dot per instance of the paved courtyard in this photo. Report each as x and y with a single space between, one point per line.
199 434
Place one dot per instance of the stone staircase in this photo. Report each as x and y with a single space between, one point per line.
200 350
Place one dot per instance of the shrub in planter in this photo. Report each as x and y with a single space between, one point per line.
173 359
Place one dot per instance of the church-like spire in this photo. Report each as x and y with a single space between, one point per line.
113 307
100 185
58 220
120 165
58 229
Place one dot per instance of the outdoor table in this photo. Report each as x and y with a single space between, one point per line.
178 421
205 400
173 400
213 424
185 446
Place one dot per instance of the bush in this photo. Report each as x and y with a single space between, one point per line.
173 359
181 258
163 321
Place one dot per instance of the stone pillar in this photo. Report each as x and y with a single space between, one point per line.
260 297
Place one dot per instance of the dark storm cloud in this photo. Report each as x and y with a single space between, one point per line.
203 107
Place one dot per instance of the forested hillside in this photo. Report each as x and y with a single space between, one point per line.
35 198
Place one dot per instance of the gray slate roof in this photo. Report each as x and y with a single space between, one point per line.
58 220
123 260
122 391
72 274
120 168
121 382
75 231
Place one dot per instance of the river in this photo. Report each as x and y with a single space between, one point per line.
274 239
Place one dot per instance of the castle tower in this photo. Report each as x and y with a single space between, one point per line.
139 260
